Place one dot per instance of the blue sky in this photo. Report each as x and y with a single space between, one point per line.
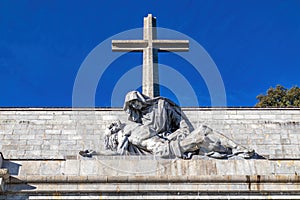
254 44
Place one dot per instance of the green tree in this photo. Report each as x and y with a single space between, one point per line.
279 97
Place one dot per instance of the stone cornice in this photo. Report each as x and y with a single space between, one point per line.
159 179
120 109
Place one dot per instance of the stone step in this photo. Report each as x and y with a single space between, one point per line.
65 169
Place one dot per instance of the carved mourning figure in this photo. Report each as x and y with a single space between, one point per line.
157 126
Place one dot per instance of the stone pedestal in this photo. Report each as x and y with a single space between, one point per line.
41 145
140 177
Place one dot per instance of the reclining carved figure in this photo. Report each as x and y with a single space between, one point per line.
157 126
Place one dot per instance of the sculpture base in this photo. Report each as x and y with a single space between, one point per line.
146 177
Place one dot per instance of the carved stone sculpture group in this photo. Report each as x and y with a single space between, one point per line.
157 126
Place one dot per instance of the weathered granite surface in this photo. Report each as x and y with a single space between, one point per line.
137 177
127 166
54 133
41 145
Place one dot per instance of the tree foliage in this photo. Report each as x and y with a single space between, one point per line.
279 97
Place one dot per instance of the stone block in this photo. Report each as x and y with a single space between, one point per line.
33 154
53 131
226 167
9 147
30 168
26 147
89 167
54 146
75 137
67 142
72 167
237 116
39 127
244 168
38 122
285 167
42 136
21 131
270 117
107 167
61 117
50 168
34 142
109 118
11 112
50 116
72 132
11 137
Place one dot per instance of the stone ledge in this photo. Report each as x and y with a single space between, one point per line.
171 195
154 187
147 167
120 109
295 179
168 187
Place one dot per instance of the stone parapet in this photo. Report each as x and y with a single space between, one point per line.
144 178
41 148
293 179
150 167
60 133
211 184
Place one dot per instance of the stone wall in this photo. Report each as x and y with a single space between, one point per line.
60 133
41 161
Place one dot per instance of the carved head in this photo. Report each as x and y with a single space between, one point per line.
134 103
135 100
111 136
113 128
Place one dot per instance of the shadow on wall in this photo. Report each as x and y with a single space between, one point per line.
13 184
12 167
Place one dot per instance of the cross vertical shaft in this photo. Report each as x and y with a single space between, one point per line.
150 59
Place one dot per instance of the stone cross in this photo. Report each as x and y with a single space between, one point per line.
150 47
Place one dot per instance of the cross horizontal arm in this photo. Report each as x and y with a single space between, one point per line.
160 45
171 45
129 45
